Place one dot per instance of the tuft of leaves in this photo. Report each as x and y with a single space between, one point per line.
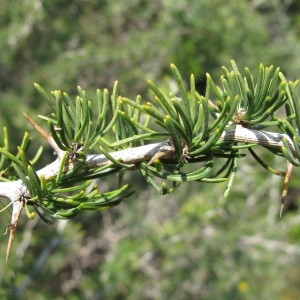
192 123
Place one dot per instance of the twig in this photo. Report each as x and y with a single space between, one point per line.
251 136
46 135
17 209
11 190
289 169
148 152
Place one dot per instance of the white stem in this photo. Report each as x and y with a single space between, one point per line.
250 136
13 190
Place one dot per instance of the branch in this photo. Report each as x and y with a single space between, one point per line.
146 153
15 190
249 136
197 127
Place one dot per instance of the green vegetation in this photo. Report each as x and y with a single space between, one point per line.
188 244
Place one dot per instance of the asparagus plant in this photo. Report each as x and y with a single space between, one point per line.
93 138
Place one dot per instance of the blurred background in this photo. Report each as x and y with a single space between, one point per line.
187 245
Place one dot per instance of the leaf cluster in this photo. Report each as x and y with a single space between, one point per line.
192 123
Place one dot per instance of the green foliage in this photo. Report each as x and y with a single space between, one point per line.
14 166
190 243
193 122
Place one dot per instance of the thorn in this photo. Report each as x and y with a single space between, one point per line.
121 177
17 208
281 208
11 229
46 135
289 169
